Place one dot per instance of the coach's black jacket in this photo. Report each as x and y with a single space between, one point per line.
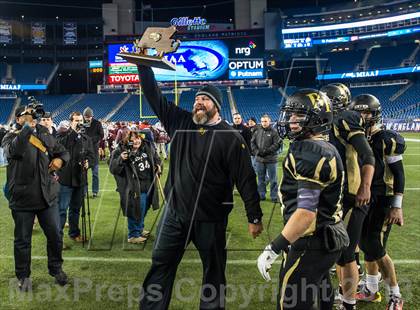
30 185
128 185
71 174
96 133
245 133
206 163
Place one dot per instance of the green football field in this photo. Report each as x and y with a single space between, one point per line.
108 272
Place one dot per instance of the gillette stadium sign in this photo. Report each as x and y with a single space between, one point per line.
196 23
195 61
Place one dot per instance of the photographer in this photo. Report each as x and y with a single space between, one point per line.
95 131
73 177
133 163
34 156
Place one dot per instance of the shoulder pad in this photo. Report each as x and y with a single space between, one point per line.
394 143
350 121
313 162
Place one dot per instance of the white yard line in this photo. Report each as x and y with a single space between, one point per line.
99 208
188 261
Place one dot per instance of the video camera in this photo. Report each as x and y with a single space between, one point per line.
127 147
82 127
34 108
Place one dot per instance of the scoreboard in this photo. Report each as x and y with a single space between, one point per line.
213 59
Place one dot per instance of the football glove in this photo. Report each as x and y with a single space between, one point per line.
265 260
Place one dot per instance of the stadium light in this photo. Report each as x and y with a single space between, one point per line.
370 22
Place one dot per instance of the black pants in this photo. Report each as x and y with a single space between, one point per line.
169 247
304 276
353 219
376 229
50 223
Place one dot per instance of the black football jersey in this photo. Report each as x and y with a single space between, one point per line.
309 164
385 143
346 125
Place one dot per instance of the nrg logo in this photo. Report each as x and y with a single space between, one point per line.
245 50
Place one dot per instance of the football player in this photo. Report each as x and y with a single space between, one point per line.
385 209
310 195
348 136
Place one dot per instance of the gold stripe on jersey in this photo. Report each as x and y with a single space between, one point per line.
354 133
297 176
353 170
394 146
333 169
352 163
318 168
346 126
286 279
338 213
388 175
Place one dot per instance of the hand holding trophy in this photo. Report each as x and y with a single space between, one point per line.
160 39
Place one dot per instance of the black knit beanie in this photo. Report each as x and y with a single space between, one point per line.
214 93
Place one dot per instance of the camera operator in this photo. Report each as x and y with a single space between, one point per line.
73 176
134 163
95 131
34 156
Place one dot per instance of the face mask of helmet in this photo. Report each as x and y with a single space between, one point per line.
313 118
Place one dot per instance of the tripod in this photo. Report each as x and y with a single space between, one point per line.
84 181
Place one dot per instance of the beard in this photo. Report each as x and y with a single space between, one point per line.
201 116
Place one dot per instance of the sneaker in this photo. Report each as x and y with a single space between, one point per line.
395 303
25 284
338 297
136 240
274 200
344 306
94 195
145 233
61 278
66 225
79 239
368 296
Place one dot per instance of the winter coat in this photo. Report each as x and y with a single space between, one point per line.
76 144
128 183
265 144
30 185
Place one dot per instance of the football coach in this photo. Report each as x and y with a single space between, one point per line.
207 158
